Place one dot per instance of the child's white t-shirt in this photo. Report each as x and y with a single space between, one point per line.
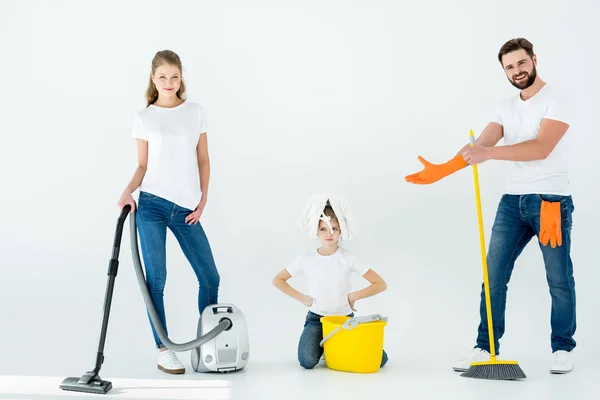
172 135
329 279
521 121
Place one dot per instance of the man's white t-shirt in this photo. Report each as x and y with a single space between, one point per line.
521 121
329 279
172 135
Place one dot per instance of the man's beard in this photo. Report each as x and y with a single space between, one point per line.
527 83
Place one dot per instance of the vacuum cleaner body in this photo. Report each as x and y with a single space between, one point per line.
228 351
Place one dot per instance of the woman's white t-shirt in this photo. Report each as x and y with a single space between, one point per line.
172 135
329 279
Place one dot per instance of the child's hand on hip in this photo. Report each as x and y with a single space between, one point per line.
307 301
351 301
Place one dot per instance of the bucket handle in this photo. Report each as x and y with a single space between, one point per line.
352 323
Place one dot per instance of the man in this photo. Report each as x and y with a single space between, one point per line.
537 200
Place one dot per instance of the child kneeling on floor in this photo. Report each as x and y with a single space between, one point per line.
329 270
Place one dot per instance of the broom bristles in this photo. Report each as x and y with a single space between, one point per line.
506 372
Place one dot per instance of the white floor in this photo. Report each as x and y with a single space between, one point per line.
50 332
427 379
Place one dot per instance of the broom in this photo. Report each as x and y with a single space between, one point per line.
493 369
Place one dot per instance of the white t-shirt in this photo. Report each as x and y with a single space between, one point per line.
172 135
329 279
521 122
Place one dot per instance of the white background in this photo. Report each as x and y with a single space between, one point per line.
301 97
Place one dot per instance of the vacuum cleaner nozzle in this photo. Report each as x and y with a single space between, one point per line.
96 385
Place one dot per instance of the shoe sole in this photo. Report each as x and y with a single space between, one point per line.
558 372
171 371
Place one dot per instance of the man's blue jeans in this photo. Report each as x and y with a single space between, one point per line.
517 221
309 351
154 216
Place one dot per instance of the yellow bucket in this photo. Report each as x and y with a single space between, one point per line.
358 350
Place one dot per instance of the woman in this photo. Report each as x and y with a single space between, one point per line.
172 174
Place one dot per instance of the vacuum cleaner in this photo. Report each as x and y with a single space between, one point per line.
221 343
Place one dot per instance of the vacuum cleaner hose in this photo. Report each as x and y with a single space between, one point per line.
223 325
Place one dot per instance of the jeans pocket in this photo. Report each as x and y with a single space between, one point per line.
566 206
147 196
553 198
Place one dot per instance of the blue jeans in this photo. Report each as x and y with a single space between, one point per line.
309 351
517 221
154 216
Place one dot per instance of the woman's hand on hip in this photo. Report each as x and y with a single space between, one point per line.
194 216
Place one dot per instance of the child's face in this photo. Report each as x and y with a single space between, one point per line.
327 238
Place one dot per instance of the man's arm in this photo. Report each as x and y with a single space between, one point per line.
489 137
551 131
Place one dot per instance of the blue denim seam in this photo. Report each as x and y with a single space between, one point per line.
512 259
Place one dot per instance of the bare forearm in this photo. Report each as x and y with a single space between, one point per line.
490 136
287 289
369 291
525 151
485 141
136 180
204 170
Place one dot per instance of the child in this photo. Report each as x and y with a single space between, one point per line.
328 270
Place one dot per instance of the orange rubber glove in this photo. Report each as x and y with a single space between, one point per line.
434 172
550 228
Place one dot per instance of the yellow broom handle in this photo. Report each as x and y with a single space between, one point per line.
483 254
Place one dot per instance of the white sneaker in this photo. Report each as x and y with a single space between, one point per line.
476 355
563 362
168 362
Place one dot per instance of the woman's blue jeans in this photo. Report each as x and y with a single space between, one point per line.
154 216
